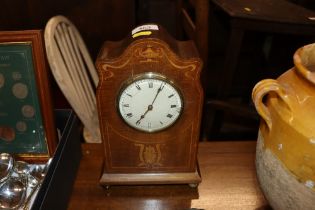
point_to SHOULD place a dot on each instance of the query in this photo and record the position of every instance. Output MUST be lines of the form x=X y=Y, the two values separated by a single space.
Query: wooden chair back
x=74 y=72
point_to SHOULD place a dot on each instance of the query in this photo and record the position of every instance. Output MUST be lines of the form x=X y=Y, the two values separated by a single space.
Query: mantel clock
x=149 y=101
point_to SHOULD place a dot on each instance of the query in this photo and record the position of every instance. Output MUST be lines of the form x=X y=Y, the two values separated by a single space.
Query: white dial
x=150 y=103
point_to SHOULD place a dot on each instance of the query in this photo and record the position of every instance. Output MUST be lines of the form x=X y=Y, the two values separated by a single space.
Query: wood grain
x=228 y=182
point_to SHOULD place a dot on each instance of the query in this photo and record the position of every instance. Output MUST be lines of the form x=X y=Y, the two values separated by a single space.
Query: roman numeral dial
x=149 y=102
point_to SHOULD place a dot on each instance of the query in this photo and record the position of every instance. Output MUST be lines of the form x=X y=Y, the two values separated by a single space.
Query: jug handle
x=260 y=90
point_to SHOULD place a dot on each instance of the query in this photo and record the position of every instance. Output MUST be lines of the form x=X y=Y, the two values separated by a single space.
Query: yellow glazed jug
x=285 y=153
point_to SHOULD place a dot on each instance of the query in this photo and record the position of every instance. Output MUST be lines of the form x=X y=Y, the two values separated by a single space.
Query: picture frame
x=27 y=125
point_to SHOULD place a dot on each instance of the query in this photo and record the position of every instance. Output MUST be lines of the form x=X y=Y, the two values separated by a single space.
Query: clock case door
x=135 y=157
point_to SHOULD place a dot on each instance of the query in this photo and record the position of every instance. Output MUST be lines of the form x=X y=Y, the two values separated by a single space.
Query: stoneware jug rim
x=304 y=61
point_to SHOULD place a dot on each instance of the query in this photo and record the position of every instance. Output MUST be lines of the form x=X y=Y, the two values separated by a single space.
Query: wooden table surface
x=228 y=182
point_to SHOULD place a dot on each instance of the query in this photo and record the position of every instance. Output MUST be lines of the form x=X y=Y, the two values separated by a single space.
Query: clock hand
x=158 y=91
x=150 y=107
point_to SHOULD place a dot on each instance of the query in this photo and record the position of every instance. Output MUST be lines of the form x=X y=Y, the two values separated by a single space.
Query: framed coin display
x=27 y=127
x=150 y=104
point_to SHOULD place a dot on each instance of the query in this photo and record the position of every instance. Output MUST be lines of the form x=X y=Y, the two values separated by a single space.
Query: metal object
x=12 y=193
x=22 y=169
x=36 y=177
x=6 y=165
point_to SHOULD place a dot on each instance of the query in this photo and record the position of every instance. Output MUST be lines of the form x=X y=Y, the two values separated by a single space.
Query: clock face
x=149 y=102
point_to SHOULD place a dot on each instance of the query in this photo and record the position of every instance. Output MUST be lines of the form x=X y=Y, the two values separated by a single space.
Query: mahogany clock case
x=136 y=157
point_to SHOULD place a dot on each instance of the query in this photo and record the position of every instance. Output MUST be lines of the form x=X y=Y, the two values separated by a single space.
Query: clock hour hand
x=150 y=107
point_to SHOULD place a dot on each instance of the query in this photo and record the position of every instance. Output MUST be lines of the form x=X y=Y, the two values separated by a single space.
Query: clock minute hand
x=158 y=91
x=150 y=107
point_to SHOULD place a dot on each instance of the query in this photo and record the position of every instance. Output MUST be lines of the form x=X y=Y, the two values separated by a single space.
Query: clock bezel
x=149 y=75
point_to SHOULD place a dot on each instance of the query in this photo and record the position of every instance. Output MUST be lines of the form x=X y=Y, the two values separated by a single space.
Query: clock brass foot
x=193 y=185
x=106 y=187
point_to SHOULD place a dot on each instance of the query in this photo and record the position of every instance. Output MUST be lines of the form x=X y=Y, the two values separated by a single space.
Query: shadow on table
x=164 y=197
x=265 y=207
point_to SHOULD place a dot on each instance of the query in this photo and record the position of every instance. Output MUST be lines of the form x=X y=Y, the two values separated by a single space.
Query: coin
x=21 y=126
x=28 y=111
x=20 y=90
x=1 y=80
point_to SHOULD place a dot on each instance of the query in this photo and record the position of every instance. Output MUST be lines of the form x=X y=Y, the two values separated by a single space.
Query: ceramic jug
x=285 y=153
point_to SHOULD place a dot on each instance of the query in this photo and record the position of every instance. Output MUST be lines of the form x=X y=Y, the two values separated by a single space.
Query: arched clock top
x=150 y=53
x=158 y=39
